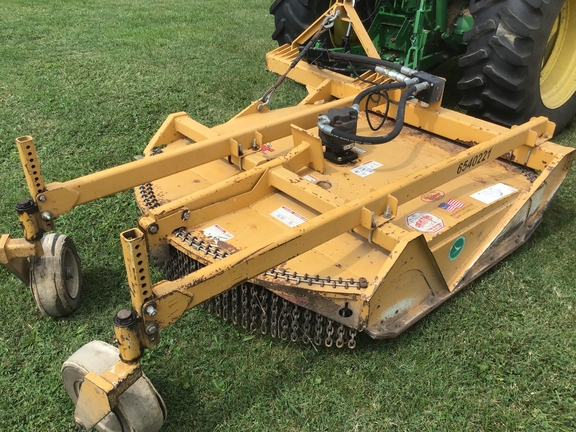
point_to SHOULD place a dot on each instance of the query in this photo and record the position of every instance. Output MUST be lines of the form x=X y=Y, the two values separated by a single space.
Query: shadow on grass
x=558 y=218
x=105 y=290
x=234 y=371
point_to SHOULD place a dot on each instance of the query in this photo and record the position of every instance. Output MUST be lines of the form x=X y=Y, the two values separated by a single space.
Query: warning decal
x=287 y=216
x=216 y=232
x=493 y=193
x=366 y=169
x=425 y=222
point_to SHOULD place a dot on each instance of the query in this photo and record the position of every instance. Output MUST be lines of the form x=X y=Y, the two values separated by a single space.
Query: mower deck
x=347 y=279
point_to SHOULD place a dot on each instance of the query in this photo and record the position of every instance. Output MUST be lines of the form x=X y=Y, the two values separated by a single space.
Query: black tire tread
x=292 y=17
x=500 y=82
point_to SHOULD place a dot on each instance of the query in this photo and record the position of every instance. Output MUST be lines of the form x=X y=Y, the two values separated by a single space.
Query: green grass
x=92 y=82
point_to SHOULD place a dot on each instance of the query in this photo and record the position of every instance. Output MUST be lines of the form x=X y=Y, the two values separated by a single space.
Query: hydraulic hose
x=375 y=89
x=379 y=139
x=371 y=61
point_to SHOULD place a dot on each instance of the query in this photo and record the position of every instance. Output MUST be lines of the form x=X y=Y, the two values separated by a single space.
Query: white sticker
x=287 y=216
x=359 y=150
x=493 y=193
x=366 y=169
x=310 y=178
x=216 y=232
x=425 y=222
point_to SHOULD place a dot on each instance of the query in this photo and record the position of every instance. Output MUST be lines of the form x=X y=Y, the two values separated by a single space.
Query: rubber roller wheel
x=56 y=277
x=140 y=407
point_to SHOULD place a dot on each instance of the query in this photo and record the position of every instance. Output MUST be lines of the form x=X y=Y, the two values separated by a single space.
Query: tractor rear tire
x=292 y=17
x=520 y=61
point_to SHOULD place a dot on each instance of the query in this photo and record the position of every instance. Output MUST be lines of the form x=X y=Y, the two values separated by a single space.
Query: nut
x=152 y=329
x=151 y=310
x=153 y=228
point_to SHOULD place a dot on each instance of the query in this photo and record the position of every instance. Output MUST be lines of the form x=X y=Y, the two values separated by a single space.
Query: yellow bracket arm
x=14 y=255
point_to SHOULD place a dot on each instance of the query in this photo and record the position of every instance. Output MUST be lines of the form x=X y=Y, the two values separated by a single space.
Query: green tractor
x=518 y=57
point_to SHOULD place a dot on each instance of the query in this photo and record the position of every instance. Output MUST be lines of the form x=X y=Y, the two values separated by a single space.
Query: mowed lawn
x=92 y=82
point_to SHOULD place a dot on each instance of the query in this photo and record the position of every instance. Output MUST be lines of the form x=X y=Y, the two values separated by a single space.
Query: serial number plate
x=479 y=158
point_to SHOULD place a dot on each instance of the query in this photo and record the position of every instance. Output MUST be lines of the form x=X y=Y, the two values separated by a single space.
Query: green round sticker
x=456 y=248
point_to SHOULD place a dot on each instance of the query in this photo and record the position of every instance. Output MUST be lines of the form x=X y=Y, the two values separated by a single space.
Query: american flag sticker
x=451 y=205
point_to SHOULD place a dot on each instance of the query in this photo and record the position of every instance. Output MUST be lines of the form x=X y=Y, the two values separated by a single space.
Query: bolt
x=153 y=228
x=46 y=215
x=42 y=198
x=152 y=329
x=151 y=310
x=185 y=215
x=69 y=273
x=387 y=213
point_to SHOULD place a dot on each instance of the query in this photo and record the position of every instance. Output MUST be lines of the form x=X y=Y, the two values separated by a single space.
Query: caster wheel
x=56 y=277
x=140 y=408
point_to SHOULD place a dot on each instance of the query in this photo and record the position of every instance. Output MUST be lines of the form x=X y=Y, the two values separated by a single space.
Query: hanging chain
x=274 y=316
x=329 y=332
x=307 y=327
x=352 y=337
x=217 y=306
x=284 y=321
x=264 y=313
x=295 y=316
x=341 y=333
x=256 y=308
x=318 y=330
x=244 y=306
x=225 y=296
x=253 y=308
x=235 y=305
